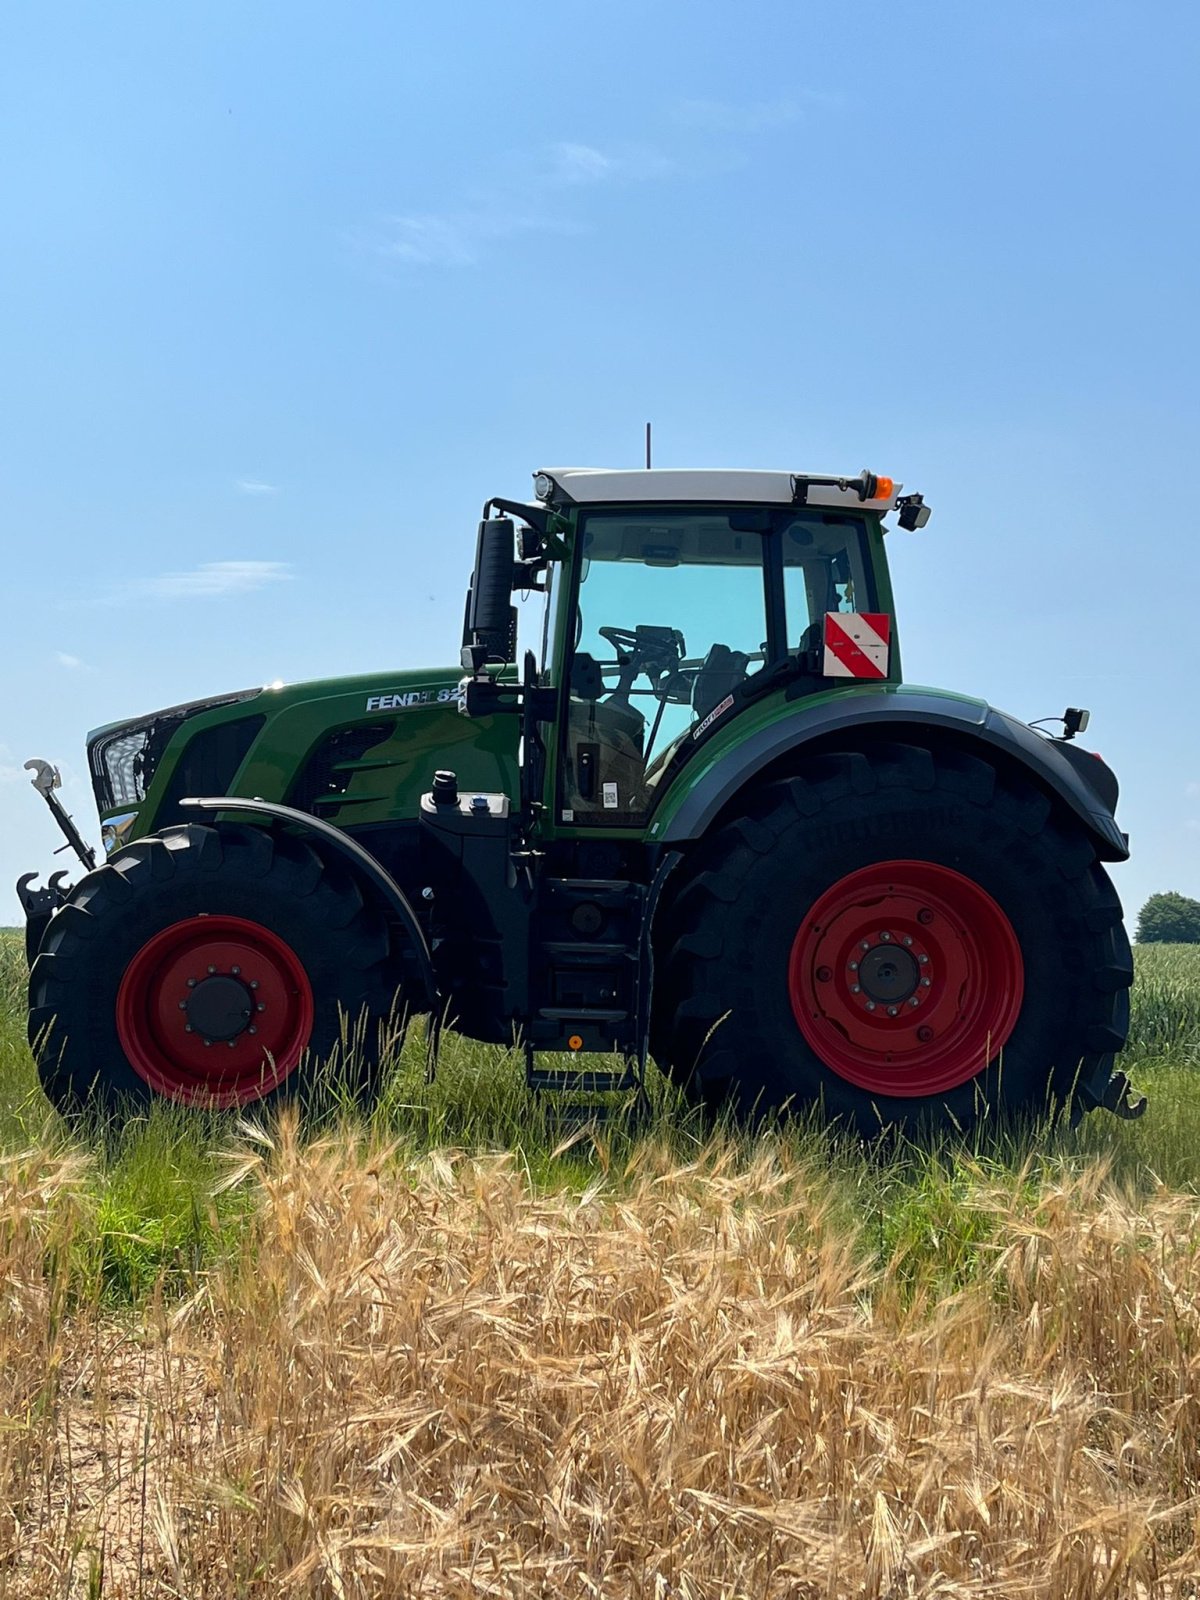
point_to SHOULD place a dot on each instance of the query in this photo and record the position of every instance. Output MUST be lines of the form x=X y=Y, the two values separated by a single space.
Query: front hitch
x=39 y=905
x=46 y=779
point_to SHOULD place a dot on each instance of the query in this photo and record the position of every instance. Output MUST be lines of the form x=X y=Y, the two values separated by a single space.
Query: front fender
x=916 y=715
x=388 y=892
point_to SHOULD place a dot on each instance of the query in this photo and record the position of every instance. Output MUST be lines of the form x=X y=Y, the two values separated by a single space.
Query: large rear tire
x=907 y=938
x=209 y=966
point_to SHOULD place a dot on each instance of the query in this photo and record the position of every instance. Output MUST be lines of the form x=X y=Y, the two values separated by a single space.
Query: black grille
x=326 y=774
x=208 y=765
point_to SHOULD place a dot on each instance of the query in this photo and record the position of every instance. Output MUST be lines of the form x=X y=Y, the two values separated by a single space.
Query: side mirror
x=491 y=618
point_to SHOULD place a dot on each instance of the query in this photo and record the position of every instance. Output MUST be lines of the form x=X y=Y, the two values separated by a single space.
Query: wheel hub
x=219 y=1008
x=888 y=973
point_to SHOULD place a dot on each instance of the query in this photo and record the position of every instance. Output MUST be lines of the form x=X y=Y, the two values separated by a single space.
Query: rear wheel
x=907 y=938
x=212 y=967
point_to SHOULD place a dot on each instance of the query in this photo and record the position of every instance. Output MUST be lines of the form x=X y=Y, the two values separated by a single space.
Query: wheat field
x=453 y=1353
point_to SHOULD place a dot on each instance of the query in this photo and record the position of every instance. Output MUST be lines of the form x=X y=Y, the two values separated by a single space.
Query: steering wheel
x=654 y=651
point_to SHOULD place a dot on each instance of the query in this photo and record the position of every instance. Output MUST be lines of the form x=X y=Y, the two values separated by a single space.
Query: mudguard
x=389 y=892
x=913 y=714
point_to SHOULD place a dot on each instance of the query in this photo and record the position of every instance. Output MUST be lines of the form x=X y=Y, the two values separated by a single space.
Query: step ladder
x=589 y=990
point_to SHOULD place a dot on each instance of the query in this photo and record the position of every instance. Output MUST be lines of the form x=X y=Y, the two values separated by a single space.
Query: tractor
x=707 y=823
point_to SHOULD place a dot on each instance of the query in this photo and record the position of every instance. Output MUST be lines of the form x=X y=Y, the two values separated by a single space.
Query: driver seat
x=719 y=675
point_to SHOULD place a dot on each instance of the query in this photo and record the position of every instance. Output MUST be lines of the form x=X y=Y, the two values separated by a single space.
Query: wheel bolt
x=926 y=983
x=212 y=969
x=251 y=1029
x=870 y=1005
x=885 y=937
x=191 y=983
x=892 y=1011
x=260 y=1006
x=237 y=971
x=914 y=1001
x=207 y=1042
x=254 y=983
x=924 y=1034
x=187 y=1028
x=924 y=960
x=854 y=966
x=908 y=938
x=866 y=944
x=855 y=988
x=925 y=917
x=233 y=1044
x=824 y=974
x=183 y=1005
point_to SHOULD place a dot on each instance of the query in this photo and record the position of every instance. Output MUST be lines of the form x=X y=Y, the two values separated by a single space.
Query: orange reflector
x=575 y=1042
x=885 y=488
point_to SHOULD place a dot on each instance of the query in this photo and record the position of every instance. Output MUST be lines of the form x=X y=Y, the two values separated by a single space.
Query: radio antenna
x=647 y=447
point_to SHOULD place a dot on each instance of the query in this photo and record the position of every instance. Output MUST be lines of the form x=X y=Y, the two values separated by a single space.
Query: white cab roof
x=708 y=485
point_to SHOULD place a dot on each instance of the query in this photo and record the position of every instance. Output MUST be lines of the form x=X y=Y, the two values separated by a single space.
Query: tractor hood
x=353 y=750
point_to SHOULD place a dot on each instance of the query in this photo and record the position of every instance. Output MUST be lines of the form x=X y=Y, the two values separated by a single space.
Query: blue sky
x=288 y=290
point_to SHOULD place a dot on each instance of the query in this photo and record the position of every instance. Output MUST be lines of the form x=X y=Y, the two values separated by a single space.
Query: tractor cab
x=674 y=598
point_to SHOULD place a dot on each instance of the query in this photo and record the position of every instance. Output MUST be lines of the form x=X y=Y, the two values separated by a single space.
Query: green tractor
x=708 y=822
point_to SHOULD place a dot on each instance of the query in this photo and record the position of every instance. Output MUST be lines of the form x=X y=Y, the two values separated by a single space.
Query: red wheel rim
x=214 y=1011
x=906 y=978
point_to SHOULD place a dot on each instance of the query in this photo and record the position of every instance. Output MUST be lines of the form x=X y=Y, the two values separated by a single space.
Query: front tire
x=907 y=938
x=209 y=966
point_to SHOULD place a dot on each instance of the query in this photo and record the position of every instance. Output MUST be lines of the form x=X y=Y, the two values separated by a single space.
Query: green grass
x=156 y=1214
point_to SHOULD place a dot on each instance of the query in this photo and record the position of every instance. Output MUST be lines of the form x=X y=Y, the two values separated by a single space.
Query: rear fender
x=919 y=717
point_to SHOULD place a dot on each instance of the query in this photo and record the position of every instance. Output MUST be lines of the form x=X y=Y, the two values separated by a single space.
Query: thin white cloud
x=567 y=165
x=72 y=663
x=580 y=163
x=429 y=239
x=529 y=199
x=210 y=581
x=458 y=238
x=255 y=486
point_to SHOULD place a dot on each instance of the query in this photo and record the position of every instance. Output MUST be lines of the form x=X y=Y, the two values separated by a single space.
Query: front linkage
x=40 y=904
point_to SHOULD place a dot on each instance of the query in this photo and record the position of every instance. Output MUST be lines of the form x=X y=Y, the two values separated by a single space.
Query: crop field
x=454 y=1352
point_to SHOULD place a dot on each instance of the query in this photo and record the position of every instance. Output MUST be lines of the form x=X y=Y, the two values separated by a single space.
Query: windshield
x=680 y=609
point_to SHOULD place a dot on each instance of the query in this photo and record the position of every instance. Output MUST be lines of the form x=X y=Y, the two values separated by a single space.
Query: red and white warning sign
x=856 y=644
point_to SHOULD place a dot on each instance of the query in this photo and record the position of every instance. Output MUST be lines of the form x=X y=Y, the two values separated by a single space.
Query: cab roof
x=704 y=485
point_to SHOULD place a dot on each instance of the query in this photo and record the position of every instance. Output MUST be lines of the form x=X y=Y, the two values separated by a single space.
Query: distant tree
x=1169 y=919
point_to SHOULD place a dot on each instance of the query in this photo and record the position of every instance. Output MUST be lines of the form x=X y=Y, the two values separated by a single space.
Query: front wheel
x=213 y=967
x=907 y=938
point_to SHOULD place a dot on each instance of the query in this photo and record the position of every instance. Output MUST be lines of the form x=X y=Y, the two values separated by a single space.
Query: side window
x=823 y=570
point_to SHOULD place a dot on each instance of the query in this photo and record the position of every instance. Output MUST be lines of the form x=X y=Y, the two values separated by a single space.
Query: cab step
x=581 y=1080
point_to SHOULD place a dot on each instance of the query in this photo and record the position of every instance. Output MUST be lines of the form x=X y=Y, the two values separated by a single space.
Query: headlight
x=116 y=830
x=123 y=761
